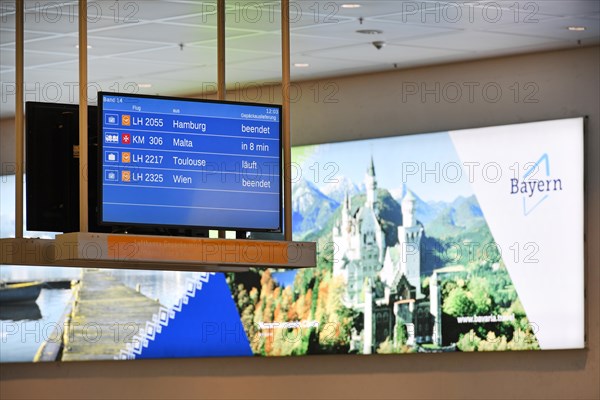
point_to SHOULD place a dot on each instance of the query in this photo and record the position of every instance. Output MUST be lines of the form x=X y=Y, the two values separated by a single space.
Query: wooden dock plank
x=106 y=315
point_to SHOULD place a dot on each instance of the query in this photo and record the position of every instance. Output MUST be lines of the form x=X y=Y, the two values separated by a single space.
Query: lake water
x=24 y=328
x=166 y=286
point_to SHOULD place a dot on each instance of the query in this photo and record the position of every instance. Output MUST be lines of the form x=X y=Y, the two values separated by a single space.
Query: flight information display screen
x=189 y=163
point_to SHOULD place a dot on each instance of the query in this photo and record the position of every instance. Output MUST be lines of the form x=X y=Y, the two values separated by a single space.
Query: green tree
x=468 y=341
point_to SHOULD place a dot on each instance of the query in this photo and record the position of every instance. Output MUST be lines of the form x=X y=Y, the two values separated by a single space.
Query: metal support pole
x=221 y=87
x=83 y=118
x=19 y=125
x=285 y=85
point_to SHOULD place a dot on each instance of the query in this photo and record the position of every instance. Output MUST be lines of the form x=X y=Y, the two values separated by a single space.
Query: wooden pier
x=105 y=316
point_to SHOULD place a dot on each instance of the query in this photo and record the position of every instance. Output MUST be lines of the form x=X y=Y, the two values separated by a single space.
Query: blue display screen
x=189 y=163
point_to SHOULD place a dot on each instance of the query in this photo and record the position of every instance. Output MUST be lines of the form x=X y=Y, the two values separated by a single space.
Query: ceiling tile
x=557 y=28
x=195 y=55
x=33 y=59
x=261 y=16
x=148 y=10
x=99 y=46
x=166 y=33
x=271 y=43
x=390 y=54
x=468 y=15
x=63 y=17
x=561 y=8
x=484 y=42
x=268 y=64
x=391 y=30
x=7 y=37
x=138 y=41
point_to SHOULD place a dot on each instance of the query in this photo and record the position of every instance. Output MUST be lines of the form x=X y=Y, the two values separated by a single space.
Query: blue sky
x=395 y=158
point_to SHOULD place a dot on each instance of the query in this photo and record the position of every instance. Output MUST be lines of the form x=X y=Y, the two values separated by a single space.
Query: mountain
x=311 y=209
x=460 y=218
x=425 y=211
x=338 y=190
x=390 y=217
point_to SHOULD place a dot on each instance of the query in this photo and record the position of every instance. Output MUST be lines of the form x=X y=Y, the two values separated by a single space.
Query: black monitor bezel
x=124 y=226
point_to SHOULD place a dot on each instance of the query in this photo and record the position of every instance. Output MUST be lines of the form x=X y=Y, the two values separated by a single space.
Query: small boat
x=20 y=312
x=26 y=292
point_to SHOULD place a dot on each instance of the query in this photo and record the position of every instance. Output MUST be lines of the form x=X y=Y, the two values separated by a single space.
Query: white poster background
x=541 y=235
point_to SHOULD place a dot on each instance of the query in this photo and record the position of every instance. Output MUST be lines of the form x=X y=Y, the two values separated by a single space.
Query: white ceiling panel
x=469 y=15
x=257 y=16
x=147 y=10
x=478 y=41
x=161 y=33
x=200 y=55
x=194 y=77
x=556 y=28
x=391 y=30
x=299 y=43
x=102 y=68
x=388 y=55
x=561 y=8
x=7 y=36
x=165 y=87
x=139 y=41
x=99 y=46
x=268 y=64
x=33 y=59
x=56 y=17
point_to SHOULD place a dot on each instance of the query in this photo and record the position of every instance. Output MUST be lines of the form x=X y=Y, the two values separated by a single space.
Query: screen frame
x=120 y=226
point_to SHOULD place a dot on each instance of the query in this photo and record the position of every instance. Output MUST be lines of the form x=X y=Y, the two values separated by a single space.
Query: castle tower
x=346 y=212
x=435 y=307
x=408 y=210
x=409 y=237
x=371 y=185
x=359 y=241
x=345 y=242
x=368 y=330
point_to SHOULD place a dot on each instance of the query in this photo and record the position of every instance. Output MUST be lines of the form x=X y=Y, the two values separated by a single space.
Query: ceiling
x=169 y=47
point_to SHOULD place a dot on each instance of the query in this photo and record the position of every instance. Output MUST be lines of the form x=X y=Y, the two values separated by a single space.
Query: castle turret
x=368 y=318
x=371 y=186
x=409 y=237
x=346 y=212
x=408 y=210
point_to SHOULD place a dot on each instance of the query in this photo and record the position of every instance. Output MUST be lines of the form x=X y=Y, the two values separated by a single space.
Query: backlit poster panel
x=467 y=240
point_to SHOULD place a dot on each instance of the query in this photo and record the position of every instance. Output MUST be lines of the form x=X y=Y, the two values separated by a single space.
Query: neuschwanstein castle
x=383 y=283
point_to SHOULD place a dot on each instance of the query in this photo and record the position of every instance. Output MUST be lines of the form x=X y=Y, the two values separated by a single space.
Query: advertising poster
x=469 y=240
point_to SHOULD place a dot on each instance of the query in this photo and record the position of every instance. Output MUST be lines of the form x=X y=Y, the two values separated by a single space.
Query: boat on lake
x=25 y=292
x=20 y=312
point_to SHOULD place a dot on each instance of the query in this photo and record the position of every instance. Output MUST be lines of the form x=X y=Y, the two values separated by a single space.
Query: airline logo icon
x=111 y=138
x=125 y=120
x=126 y=176
x=111 y=156
x=126 y=157
x=111 y=176
x=125 y=138
x=111 y=119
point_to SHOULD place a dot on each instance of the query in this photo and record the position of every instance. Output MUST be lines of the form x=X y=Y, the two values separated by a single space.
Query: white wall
x=564 y=83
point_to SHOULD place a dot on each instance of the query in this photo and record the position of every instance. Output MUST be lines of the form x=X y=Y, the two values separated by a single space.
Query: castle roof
x=371 y=169
x=409 y=196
